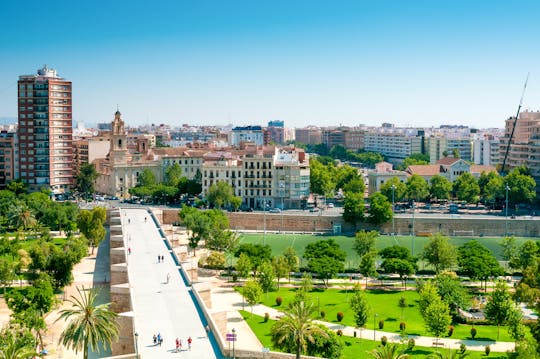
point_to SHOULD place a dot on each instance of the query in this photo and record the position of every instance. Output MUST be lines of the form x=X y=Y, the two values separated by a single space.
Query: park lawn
x=353 y=348
x=385 y=305
x=278 y=243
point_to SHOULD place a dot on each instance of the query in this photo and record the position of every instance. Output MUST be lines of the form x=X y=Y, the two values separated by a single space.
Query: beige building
x=383 y=173
x=86 y=150
x=118 y=172
x=222 y=167
x=291 y=178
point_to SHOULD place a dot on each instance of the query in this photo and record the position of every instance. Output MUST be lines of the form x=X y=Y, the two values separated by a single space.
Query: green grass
x=353 y=348
x=278 y=243
x=385 y=305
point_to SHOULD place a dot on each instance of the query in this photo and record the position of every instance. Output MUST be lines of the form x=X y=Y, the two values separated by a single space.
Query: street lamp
x=234 y=340
x=412 y=237
x=374 y=322
x=393 y=212
x=282 y=190
x=506 y=213
x=137 y=344
x=264 y=216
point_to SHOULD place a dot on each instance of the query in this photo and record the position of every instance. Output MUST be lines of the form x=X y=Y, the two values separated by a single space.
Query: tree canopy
x=326 y=258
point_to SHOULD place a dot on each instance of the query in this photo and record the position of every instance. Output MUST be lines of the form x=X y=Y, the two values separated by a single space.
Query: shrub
x=235 y=277
x=323 y=314
x=339 y=332
x=340 y=316
x=279 y=300
x=450 y=330
x=381 y=324
x=216 y=260
x=410 y=344
x=487 y=350
x=384 y=340
x=473 y=333
x=462 y=348
x=266 y=317
x=402 y=326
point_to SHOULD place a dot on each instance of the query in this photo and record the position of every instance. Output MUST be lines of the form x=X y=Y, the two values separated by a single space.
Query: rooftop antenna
x=514 y=126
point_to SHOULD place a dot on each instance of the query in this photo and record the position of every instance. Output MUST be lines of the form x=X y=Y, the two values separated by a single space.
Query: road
x=160 y=305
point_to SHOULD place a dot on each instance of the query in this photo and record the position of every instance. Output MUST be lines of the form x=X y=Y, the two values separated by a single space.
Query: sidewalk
x=229 y=298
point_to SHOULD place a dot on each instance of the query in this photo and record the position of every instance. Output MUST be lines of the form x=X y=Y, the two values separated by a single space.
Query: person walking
x=168 y=278
x=158 y=258
x=177 y=344
x=159 y=339
x=155 y=339
x=189 y=340
x=129 y=250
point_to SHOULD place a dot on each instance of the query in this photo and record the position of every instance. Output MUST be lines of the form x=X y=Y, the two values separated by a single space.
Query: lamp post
x=137 y=345
x=393 y=212
x=234 y=340
x=282 y=190
x=264 y=216
x=412 y=234
x=374 y=322
x=506 y=213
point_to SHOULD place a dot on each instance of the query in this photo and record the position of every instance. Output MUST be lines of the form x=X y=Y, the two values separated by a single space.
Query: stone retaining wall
x=448 y=225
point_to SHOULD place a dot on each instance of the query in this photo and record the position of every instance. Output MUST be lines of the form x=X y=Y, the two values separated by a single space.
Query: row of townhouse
x=263 y=176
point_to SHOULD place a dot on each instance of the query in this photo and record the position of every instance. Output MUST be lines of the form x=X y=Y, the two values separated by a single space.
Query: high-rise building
x=45 y=131
x=8 y=158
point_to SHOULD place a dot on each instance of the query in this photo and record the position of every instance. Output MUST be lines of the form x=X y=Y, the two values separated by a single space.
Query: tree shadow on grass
x=382 y=291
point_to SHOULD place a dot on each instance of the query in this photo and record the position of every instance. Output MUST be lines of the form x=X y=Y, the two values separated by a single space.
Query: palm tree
x=388 y=351
x=91 y=324
x=298 y=326
x=21 y=216
x=14 y=350
x=449 y=354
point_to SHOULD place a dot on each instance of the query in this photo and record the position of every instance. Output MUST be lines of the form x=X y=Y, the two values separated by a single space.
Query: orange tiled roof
x=447 y=161
x=424 y=170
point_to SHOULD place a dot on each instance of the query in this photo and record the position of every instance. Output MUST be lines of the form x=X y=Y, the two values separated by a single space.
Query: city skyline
x=308 y=63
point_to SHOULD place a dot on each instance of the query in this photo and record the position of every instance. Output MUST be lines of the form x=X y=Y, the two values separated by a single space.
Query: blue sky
x=308 y=62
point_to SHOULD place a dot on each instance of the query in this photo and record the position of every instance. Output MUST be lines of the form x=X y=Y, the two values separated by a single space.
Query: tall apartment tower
x=45 y=131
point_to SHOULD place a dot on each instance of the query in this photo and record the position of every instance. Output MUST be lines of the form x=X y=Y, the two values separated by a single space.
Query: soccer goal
x=463 y=233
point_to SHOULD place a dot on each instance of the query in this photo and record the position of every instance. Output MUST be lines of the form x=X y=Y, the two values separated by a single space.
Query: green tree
x=348 y=176
x=257 y=254
x=428 y=294
x=415 y=159
x=440 y=253
x=8 y=270
x=493 y=191
x=17 y=186
x=86 y=179
x=220 y=194
x=516 y=328
x=499 y=306
x=440 y=187
x=326 y=258
x=400 y=189
x=522 y=187
x=298 y=327
x=198 y=223
x=466 y=188
x=477 y=262
x=437 y=318
x=90 y=325
x=252 y=293
x=173 y=175
x=452 y=292
x=146 y=178
x=509 y=248
x=380 y=210
x=353 y=207
x=367 y=266
x=91 y=224
x=281 y=267
x=266 y=276
x=364 y=242
x=320 y=178
x=417 y=188
x=293 y=262
x=243 y=265
x=355 y=185
x=360 y=307
x=525 y=256
x=20 y=216
x=398 y=259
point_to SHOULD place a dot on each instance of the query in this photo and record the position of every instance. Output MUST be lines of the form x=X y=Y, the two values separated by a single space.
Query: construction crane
x=514 y=126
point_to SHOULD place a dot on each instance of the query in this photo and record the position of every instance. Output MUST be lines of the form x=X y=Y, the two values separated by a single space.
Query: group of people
x=160 y=258
x=158 y=340
x=178 y=343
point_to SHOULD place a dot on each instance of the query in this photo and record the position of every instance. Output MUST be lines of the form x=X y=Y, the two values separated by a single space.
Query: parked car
x=330 y=205
x=275 y=210
x=314 y=209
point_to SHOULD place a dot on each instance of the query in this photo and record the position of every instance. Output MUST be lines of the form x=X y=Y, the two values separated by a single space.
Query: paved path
x=229 y=297
x=160 y=307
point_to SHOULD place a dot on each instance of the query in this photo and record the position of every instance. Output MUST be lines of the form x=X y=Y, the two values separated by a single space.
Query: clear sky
x=307 y=62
